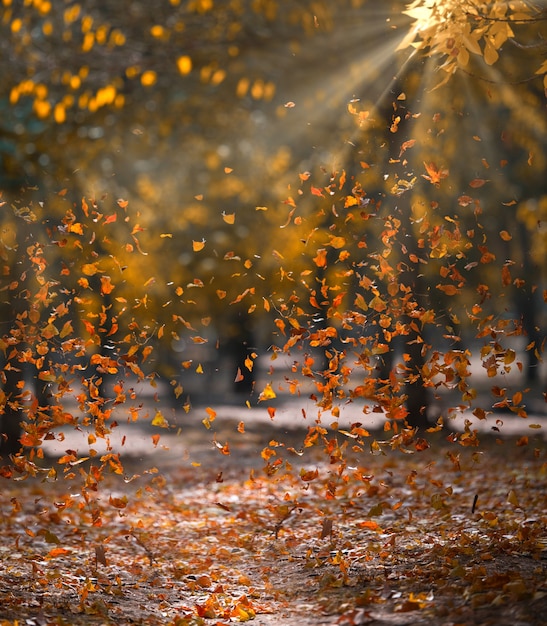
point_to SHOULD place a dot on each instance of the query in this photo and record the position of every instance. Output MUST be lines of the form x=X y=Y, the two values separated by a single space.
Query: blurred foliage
x=176 y=173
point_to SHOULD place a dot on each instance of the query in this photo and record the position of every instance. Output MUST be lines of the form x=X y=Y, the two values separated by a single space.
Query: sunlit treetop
x=84 y=56
x=455 y=30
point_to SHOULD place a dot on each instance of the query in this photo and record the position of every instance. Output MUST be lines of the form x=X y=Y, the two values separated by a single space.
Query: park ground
x=187 y=534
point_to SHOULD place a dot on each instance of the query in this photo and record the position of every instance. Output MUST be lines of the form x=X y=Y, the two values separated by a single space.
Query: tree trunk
x=10 y=414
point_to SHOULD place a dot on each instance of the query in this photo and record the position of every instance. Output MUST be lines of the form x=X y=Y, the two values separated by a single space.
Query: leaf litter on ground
x=449 y=534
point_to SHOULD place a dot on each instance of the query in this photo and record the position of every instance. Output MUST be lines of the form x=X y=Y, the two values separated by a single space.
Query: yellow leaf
x=49 y=331
x=66 y=330
x=377 y=304
x=490 y=54
x=229 y=218
x=267 y=394
x=90 y=269
x=198 y=245
x=337 y=242
x=512 y=498
x=159 y=420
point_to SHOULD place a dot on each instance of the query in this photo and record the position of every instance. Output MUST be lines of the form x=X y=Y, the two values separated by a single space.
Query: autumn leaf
x=321 y=258
x=406 y=145
x=106 y=285
x=267 y=393
x=449 y=290
x=434 y=174
x=90 y=269
x=337 y=242
x=117 y=502
x=198 y=245
x=59 y=552
x=477 y=182
x=159 y=420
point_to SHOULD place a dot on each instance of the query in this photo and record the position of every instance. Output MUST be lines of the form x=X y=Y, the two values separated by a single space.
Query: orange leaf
x=449 y=290
x=267 y=394
x=406 y=145
x=321 y=258
x=58 y=552
x=434 y=174
x=310 y=475
x=118 y=503
x=146 y=352
x=198 y=245
x=106 y=285
x=477 y=182
x=337 y=242
x=90 y=269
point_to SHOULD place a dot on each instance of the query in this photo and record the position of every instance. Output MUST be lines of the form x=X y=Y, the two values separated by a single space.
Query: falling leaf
x=100 y=555
x=477 y=182
x=267 y=393
x=321 y=258
x=118 y=503
x=337 y=242
x=59 y=552
x=106 y=285
x=406 y=145
x=198 y=245
x=159 y=420
x=434 y=174
x=512 y=498
x=90 y=269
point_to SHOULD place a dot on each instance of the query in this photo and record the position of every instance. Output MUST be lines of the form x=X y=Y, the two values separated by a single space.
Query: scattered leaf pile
x=442 y=536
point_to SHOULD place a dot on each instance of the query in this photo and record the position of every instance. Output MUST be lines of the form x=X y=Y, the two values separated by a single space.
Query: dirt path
x=191 y=536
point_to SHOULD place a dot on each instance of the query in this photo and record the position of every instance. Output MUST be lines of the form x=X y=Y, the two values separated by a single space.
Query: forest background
x=215 y=210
